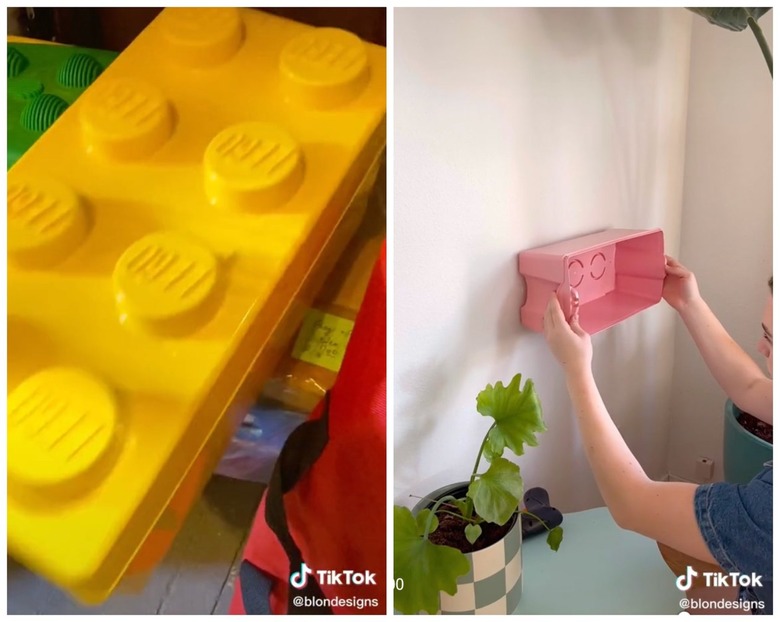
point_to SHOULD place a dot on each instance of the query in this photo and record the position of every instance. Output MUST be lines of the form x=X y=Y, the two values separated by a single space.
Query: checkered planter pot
x=495 y=581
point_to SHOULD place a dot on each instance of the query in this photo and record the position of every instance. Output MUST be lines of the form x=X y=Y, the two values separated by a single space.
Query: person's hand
x=570 y=344
x=680 y=287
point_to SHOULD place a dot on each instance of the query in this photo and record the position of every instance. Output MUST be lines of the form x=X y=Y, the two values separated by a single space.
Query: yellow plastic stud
x=324 y=68
x=201 y=37
x=252 y=166
x=125 y=118
x=61 y=422
x=46 y=221
x=164 y=279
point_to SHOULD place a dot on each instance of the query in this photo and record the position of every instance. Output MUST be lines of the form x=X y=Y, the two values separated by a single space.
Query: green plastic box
x=744 y=454
x=43 y=80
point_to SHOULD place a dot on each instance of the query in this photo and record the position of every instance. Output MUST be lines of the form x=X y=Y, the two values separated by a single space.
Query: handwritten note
x=323 y=339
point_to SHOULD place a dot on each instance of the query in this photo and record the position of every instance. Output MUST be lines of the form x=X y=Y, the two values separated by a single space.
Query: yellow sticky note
x=323 y=339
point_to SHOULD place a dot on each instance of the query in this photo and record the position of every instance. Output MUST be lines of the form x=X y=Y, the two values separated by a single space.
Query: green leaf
x=425 y=568
x=473 y=532
x=496 y=443
x=488 y=453
x=518 y=415
x=735 y=19
x=497 y=492
x=464 y=507
x=422 y=519
x=555 y=537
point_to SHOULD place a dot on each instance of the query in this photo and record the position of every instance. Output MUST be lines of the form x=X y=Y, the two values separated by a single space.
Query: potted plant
x=747 y=445
x=459 y=550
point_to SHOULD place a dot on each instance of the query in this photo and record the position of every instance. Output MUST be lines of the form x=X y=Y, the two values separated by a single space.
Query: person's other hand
x=569 y=343
x=680 y=287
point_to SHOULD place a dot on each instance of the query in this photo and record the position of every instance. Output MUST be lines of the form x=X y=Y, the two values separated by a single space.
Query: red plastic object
x=610 y=276
x=333 y=495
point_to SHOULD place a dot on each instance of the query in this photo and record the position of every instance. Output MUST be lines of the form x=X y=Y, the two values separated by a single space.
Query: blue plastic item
x=255 y=447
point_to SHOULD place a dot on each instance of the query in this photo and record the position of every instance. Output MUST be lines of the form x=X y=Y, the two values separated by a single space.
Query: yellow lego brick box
x=165 y=237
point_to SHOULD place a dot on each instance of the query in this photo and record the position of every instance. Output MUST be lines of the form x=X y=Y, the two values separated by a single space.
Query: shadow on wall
x=578 y=124
x=580 y=30
x=578 y=33
x=491 y=342
x=639 y=147
x=444 y=374
x=634 y=364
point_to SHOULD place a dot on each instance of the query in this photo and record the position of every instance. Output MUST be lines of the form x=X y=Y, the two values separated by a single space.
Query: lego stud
x=24 y=89
x=125 y=118
x=201 y=37
x=79 y=71
x=164 y=281
x=46 y=221
x=252 y=166
x=17 y=62
x=61 y=423
x=41 y=112
x=324 y=68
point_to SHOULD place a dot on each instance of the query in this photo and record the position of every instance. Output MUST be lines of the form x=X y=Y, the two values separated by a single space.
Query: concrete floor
x=196 y=577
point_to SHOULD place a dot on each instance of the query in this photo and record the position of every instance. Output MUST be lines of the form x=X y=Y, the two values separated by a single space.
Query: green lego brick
x=43 y=80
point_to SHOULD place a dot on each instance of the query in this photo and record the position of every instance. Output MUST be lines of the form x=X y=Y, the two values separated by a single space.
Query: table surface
x=599 y=569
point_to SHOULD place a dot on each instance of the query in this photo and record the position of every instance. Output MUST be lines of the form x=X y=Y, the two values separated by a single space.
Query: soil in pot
x=755 y=426
x=451 y=532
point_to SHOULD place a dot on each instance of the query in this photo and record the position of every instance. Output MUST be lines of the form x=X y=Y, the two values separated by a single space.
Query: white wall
x=516 y=128
x=726 y=224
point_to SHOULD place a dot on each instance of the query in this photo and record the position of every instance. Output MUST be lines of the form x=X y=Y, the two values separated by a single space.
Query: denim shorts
x=736 y=522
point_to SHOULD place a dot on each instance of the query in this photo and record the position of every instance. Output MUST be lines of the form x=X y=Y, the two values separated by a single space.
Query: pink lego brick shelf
x=610 y=276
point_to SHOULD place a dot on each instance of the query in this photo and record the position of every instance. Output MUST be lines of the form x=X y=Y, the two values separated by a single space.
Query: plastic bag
x=255 y=447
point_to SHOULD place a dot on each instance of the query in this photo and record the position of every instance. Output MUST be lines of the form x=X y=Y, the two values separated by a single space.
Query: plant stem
x=761 y=42
x=479 y=455
x=454 y=507
x=435 y=508
x=536 y=517
x=440 y=502
x=424 y=499
x=474 y=521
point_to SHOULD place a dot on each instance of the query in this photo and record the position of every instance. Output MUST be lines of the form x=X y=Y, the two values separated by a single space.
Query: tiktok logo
x=685 y=581
x=298 y=579
x=332 y=577
x=719 y=579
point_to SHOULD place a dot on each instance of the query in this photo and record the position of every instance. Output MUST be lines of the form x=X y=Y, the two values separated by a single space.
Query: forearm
x=733 y=369
x=663 y=511
x=617 y=472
